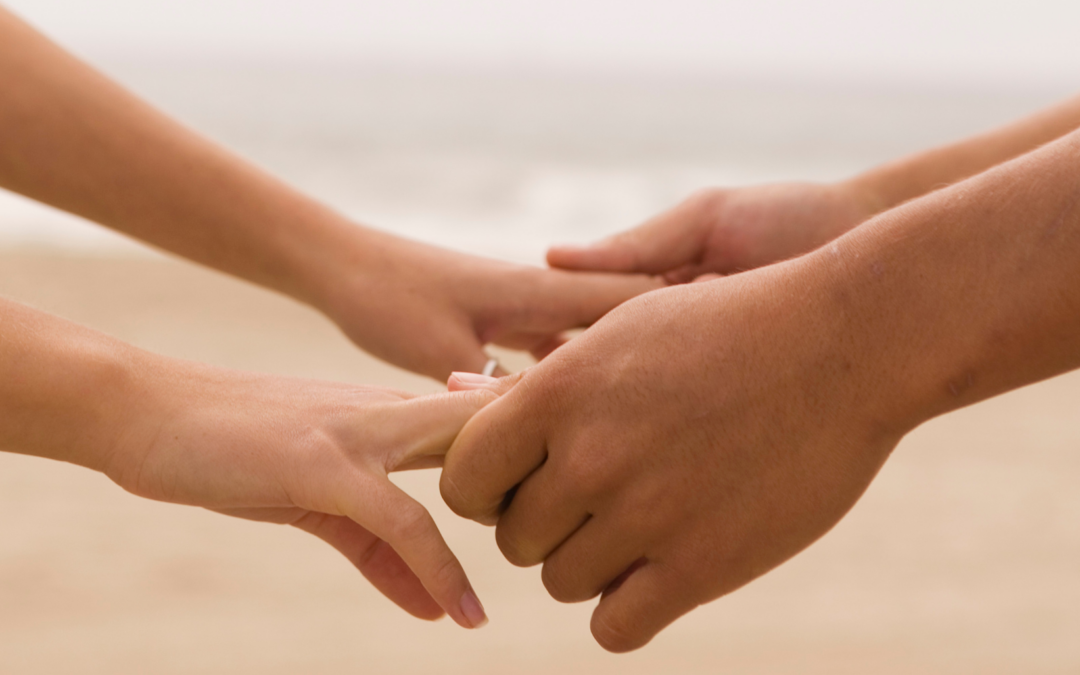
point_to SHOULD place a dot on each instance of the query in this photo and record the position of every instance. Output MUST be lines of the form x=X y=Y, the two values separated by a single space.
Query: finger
x=589 y=561
x=429 y=424
x=541 y=516
x=470 y=381
x=402 y=522
x=669 y=240
x=644 y=603
x=554 y=301
x=712 y=276
x=496 y=385
x=377 y=561
x=498 y=448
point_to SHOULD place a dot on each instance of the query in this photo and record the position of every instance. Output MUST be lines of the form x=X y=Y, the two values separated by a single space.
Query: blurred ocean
x=505 y=163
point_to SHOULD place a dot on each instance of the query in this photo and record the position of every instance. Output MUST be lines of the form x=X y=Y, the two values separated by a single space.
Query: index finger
x=498 y=449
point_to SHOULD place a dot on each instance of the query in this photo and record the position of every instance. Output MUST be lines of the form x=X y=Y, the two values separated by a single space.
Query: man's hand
x=691 y=441
x=723 y=231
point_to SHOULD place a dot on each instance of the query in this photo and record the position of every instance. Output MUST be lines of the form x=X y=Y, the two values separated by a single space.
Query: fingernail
x=472 y=378
x=473 y=610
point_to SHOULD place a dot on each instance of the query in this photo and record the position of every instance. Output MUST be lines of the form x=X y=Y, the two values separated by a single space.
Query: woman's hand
x=722 y=231
x=130 y=168
x=310 y=454
x=431 y=310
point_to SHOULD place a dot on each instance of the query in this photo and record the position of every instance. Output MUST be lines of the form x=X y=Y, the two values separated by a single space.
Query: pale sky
x=1002 y=41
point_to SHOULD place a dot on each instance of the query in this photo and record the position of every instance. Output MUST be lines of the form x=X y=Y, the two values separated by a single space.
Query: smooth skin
x=71 y=138
x=701 y=435
x=727 y=230
x=310 y=454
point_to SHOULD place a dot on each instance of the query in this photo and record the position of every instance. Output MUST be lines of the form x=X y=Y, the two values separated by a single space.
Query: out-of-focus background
x=500 y=127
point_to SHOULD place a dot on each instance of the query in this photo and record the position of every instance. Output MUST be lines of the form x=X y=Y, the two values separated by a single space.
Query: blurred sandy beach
x=962 y=558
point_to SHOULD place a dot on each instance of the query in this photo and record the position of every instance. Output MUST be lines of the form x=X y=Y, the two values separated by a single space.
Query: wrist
x=869 y=193
x=873 y=330
x=67 y=393
x=342 y=263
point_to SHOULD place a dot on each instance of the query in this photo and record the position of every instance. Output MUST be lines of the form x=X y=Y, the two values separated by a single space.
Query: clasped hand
x=689 y=442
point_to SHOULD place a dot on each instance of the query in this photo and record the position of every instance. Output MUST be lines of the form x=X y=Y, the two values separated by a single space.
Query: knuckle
x=514 y=548
x=446 y=573
x=451 y=492
x=461 y=502
x=563 y=585
x=584 y=473
x=614 y=634
x=413 y=523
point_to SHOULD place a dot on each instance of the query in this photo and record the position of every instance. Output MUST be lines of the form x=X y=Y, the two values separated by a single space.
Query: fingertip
x=602 y=256
x=633 y=611
x=613 y=638
x=472 y=610
x=564 y=256
x=469 y=381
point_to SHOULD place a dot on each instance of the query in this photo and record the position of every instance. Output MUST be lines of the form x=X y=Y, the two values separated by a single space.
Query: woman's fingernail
x=473 y=610
x=473 y=378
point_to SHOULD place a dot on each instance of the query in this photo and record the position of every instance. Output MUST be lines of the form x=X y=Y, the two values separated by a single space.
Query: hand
x=723 y=231
x=310 y=454
x=431 y=310
x=692 y=440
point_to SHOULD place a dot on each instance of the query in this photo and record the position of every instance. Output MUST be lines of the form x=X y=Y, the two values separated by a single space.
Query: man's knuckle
x=614 y=634
x=584 y=474
x=515 y=549
x=452 y=494
x=562 y=584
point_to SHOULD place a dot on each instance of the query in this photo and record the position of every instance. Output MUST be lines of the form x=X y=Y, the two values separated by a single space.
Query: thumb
x=672 y=239
x=431 y=423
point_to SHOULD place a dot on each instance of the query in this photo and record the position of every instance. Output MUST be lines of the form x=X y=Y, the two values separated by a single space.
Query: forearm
x=892 y=184
x=66 y=392
x=966 y=293
x=71 y=138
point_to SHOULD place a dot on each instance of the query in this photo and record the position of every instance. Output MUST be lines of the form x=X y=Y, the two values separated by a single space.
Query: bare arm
x=310 y=454
x=701 y=435
x=71 y=138
x=910 y=177
x=721 y=231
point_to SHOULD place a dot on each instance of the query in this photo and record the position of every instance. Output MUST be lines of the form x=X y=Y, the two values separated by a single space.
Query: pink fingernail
x=472 y=378
x=473 y=610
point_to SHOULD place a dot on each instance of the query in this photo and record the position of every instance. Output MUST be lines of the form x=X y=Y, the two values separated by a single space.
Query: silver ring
x=489 y=367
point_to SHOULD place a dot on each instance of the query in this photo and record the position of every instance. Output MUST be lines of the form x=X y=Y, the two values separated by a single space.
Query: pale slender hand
x=432 y=311
x=310 y=454
x=130 y=168
x=722 y=231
